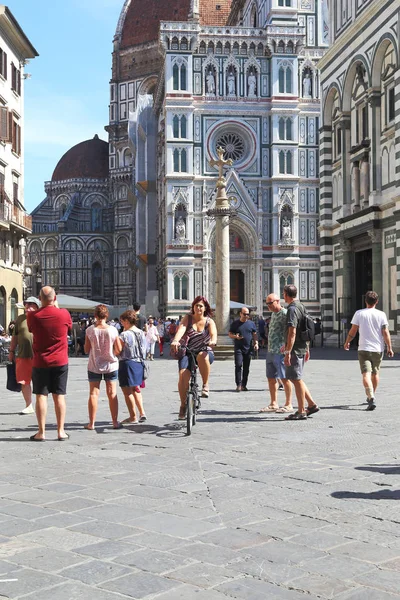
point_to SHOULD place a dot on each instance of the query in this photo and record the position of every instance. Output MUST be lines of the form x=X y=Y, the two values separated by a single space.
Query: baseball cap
x=33 y=300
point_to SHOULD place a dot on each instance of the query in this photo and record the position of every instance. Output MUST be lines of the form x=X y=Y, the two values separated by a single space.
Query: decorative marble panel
x=265 y=162
x=302 y=130
x=197 y=83
x=311 y=164
x=312 y=200
x=265 y=233
x=303 y=232
x=197 y=129
x=264 y=66
x=310 y=31
x=311 y=131
x=303 y=200
x=197 y=64
x=197 y=199
x=266 y=283
x=197 y=161
x=197 y=231
x=264 y=85
x=302 y=163
x=302 y=21
x=303 y=285
x=265 y=201
x=312 y=285
x=265 y=131
x=198 y=283
x=313 y=233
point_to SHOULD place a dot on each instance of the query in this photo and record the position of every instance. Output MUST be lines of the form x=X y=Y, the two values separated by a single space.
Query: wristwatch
x=287 y=352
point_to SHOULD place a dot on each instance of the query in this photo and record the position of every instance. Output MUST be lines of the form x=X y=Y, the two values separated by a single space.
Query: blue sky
x=66 y=99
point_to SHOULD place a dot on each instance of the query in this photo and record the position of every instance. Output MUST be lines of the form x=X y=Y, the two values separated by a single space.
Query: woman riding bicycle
x=200 y=335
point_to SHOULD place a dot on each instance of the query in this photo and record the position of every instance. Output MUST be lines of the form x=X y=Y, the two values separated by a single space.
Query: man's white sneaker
x=29 y=410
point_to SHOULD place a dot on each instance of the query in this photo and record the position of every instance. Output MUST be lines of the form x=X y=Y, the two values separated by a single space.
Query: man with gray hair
x=275 y=357
x=50 y=327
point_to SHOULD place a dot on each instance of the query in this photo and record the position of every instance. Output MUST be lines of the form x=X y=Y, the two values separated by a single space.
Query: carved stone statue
x=210 y=81
x=180 y=229
x=231 y=83
x=307 y=86
x=251 y=84
x=286 y=228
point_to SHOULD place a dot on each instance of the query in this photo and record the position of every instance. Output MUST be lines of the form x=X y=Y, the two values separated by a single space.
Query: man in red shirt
x=50 y=326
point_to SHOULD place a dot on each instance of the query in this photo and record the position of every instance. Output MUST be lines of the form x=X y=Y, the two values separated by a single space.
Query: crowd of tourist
x=117 y=350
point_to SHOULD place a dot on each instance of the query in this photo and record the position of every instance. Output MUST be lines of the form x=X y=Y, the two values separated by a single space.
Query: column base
x=224 y=349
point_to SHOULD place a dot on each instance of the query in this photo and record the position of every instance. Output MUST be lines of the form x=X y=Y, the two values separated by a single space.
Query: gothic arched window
x=183 y=126
x=183 y=78
x=285 y=79
x=175 y=77
x=183 y=161
x=97 y=280
x=281 y=162
x=181 y=286
x=96 y=217
x=281 y=80
x=289 y=163
x=285 y=279
x=175 y=126
x=176 y=161
x=288 y=80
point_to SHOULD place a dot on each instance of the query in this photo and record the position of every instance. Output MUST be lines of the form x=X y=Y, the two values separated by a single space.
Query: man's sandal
x=268 y=409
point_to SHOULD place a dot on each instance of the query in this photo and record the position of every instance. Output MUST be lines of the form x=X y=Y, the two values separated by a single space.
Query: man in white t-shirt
x=373 y=328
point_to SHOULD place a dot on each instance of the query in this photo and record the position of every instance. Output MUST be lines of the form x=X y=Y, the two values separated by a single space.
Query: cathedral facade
x=189 y=76
x=241 y=75
x=360 y=151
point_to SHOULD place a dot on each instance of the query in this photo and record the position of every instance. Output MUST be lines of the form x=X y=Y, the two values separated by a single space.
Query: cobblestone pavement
x=248 y=507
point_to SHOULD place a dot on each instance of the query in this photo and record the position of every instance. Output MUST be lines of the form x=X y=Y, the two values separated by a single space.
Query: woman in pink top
x=103 y=346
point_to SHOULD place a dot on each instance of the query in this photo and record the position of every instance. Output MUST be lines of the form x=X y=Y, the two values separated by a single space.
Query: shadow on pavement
x=381 y=495
x=385 y=469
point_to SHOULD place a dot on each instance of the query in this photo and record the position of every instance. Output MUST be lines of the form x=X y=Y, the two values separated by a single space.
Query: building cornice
x=15 y=34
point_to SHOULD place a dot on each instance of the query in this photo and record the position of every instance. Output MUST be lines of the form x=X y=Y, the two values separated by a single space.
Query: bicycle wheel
x=189 y=412
x=195 y=404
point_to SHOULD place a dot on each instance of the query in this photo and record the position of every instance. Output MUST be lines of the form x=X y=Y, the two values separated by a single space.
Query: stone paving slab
x=248 y=507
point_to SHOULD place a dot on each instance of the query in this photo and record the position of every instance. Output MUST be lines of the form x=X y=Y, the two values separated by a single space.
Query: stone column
x=221 y=213
x=347 y=268
x=222 y=273
x=364 y=179
x=374 y=98
x=377 y=284
x=356 y=186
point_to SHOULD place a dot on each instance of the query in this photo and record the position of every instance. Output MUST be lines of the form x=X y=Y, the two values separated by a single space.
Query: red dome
x=142 y=19
x=87 y=160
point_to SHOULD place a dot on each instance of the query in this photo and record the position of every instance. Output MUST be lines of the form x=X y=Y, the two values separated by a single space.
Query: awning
x=73 y=303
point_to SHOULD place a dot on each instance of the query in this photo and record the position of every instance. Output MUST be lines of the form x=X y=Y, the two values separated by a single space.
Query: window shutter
x=5 y=65
x=18 y=140
x=13 y=82
x=19 y=82
x=10 y=127
x=3 y=124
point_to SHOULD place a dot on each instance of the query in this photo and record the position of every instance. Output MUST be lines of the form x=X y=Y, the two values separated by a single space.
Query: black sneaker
x=371 y=404
x=244 y=388
x=281 y=388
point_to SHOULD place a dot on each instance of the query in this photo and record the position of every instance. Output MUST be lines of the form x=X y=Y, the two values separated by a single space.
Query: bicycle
x=193 y=402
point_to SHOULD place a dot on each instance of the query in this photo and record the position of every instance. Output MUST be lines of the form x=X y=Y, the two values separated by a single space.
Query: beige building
x=360 y=150
x=15 y=224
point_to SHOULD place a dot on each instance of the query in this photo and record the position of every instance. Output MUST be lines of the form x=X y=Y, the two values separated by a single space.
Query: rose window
x=232 y=144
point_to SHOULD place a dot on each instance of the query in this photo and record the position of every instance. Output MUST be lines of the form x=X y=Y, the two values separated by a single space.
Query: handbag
x=145 y=364
x=12 y=384
x=179 y=353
